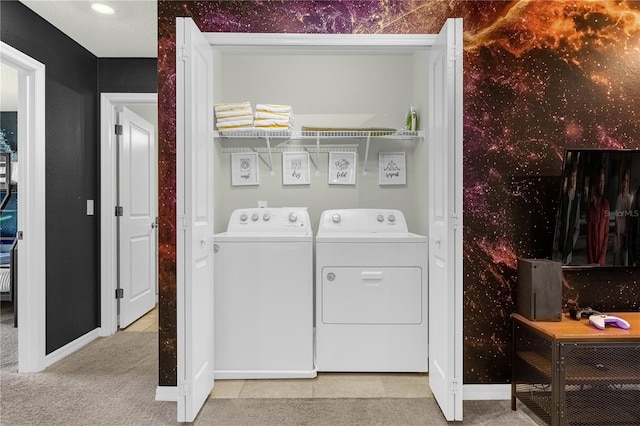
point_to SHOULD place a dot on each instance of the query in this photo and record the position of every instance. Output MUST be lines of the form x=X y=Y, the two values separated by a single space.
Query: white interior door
x=194 y=174
x=137 y=225
x=445 y=219
x=32 y=178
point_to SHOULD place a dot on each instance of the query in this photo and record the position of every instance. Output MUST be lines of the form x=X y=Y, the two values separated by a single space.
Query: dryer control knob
x=255 y=217
x=380 y=218
x=266 y=217
x=293 y=217
x=336 y=218
x=392 y=218
x=243 y=217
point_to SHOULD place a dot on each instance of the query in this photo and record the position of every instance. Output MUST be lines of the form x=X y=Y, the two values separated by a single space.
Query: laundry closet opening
x=346 y=147
x=302 y=144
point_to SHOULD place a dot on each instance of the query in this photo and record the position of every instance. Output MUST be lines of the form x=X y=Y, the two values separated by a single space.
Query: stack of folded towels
x=234 y=116
x=274 y=117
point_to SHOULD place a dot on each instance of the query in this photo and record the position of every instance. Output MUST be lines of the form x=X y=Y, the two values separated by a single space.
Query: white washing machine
x=371 y=293
x=263 y=295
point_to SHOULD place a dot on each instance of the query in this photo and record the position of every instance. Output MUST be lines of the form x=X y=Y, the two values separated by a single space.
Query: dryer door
x=371 y=295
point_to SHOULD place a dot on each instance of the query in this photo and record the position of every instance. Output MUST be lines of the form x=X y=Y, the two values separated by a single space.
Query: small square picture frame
x=392 y=168
x=295 y=168
x=244 y=169
x=342 y=168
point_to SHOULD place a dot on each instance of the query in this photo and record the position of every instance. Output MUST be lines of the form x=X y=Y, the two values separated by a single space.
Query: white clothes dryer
x=263 y=295
x=371 y=293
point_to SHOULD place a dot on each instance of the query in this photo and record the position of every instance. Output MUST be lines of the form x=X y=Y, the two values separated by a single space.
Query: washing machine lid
x=273 y=222
x=225 y=237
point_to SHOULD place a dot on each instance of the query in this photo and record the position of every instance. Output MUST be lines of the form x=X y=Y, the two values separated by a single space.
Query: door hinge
x=184 y=388
x=119 y=293
x=118 y=129
x=119 y=211
x=454 y=52
x=20 y=235
x=182 y=53
x=184 y=225
x=454 y=221
x=455 y=386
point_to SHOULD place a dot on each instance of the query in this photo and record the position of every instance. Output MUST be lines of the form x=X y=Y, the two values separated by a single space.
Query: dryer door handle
x=371 y=275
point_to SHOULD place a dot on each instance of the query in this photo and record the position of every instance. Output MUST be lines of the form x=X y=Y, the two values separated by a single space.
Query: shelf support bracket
x=268 y=140
x=317 y=155
x=366 y=155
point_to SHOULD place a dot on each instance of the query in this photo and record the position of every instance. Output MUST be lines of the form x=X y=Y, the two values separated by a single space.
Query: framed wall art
x=295 y=168
x=342 y=168
x=244 y=169
x=392 y=168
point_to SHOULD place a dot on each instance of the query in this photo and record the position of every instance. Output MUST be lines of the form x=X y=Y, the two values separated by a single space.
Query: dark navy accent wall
x=74 y=79
x=128 y=75
x=71 y=110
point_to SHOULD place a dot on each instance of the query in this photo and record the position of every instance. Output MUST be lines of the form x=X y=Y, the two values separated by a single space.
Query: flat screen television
x=598 y=217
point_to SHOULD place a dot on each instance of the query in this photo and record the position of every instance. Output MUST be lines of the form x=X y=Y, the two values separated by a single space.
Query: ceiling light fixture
x=103 y=8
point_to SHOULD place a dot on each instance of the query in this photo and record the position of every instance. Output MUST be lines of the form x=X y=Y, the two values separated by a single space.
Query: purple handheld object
x=601 y=321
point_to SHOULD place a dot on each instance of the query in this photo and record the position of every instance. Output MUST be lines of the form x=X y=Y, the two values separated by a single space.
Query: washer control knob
x=336 y=218
x=293 y=217
x=243 y=217
x=266 y=217
x=380 y=218
x=255 y=217
x=392 y=218
x=331 y=276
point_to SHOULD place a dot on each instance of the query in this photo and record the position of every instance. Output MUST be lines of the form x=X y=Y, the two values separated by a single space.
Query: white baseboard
x=71 y=347
x=486 y=392
x=167 y=393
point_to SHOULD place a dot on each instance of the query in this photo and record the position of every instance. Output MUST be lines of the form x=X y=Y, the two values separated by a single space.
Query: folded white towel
x=234 y=118
x=273 y=108
x=231 y=106
x=271 y=122
x=234 y=124
x=273 y=115
x=272 y=127
x=234 y=112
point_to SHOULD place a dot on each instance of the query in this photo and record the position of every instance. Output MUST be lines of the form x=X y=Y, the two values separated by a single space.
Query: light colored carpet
x=112 y=381
x=8 y=338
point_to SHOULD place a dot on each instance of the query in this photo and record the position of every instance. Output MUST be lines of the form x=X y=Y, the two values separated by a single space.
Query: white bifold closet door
x=445 y=219
x=194 y=175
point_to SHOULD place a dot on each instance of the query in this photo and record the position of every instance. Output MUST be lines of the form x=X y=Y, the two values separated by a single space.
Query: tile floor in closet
x=325 y=385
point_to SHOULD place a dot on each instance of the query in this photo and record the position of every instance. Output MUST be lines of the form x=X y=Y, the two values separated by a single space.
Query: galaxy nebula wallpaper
x=539 y=77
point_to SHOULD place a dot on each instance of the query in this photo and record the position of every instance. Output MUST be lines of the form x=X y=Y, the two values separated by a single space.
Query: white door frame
x=109 y=102
x=31 y=215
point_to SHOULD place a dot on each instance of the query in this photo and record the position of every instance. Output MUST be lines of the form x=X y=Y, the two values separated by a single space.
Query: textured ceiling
x=130 y=33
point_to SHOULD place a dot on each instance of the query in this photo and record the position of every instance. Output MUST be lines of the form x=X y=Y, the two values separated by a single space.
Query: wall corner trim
x=167 y=393
x=486 y=392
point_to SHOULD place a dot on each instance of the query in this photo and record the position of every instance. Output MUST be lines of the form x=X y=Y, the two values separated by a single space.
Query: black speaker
x=539 y=296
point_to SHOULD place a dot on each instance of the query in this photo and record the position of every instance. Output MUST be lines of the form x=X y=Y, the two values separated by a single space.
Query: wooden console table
x=570 y=373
